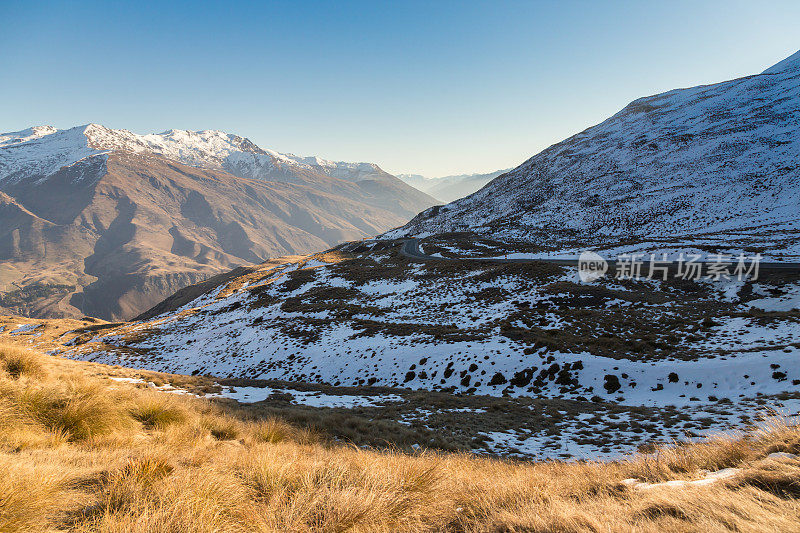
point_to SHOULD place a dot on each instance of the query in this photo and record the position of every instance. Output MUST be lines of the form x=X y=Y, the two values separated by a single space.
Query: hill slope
x=86 y=447
x=715 y=164
x=632 y=360
x=108 y=223
x=671 y=357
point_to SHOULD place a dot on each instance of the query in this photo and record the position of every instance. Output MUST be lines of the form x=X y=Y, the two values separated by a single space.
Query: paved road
x=410 y=249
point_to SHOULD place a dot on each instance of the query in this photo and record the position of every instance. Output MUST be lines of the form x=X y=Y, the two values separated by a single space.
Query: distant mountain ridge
x=44 y=149
x=108 y=222
x=449 y=188
x=715 y=165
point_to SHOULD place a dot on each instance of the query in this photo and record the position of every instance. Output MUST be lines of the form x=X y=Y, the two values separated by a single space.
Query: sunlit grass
x=81 y=453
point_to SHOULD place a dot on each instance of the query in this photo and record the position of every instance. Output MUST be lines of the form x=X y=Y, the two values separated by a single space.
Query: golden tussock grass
x=18 y=362
x=157 y=410
x=80 y=453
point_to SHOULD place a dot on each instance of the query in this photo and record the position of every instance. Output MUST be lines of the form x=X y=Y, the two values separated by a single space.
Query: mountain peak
x=790 y=64
x=43 y=130
x=29 y=134
x=196 y=203
x=209 y=149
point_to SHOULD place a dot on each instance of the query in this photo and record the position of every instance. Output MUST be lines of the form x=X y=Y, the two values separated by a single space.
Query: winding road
x=411 y=250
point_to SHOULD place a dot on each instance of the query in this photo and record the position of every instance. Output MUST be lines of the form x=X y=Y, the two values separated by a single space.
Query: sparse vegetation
x=22 y=296
x=82 y=453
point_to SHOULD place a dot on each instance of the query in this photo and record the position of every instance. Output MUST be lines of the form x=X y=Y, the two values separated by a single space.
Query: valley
x=450 y=188
x=471 y=327
x=502 y=358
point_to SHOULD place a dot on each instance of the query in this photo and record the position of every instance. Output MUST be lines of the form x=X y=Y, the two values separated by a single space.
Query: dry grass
x=158 y=410
x=75 y=408
x=82 y=454
x=18 y=362
x=28 y=496
x=273 y=430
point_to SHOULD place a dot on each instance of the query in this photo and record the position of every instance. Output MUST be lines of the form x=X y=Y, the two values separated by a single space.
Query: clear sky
x=432 y=87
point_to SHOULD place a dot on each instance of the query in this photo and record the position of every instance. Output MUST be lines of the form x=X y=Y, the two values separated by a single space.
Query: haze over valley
x=449 y=188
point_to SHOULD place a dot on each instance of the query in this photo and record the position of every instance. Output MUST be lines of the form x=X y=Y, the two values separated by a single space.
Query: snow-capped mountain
x=108 y=222
x=42 y=150
x=715 y=163
x=450 y=188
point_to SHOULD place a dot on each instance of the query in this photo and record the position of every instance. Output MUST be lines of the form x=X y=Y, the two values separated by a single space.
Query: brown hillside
x=113 y=235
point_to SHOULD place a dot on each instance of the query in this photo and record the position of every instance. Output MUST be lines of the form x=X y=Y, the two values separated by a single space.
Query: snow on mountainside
x=599 y=367
x=643 y=360
x=721 y=161
x=339 y=169
x=790 y=64
x=42 y=150
x=17 y=137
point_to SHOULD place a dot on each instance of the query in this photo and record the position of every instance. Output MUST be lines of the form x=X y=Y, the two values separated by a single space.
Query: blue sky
x=428 y=87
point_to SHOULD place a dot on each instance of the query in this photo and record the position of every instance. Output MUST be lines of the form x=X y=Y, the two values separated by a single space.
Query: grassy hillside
x=82 y=452
x=612 y=364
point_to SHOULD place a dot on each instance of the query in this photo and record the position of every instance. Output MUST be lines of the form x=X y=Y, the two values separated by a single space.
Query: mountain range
x=106 y=222
x=449 y=188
